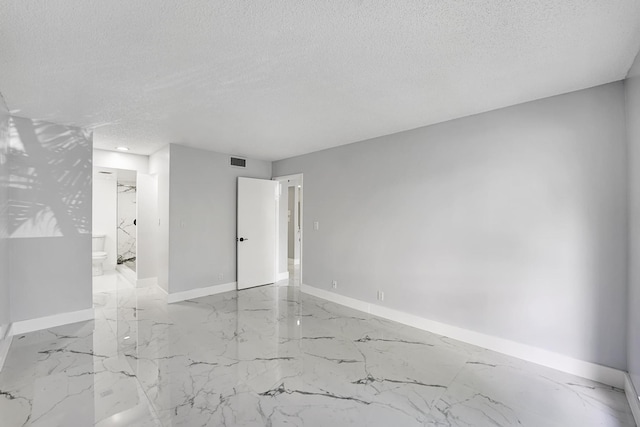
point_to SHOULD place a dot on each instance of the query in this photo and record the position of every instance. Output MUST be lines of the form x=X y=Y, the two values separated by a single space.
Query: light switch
x=316 y=225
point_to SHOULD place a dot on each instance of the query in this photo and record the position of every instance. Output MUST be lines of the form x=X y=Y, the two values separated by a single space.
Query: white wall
x=104 y=214
x=202 y=216
x=147 y=228
x=632 y=89
x=159 y=169
x=512 y=223
x=120 y=160
x=147 y=206
x=50 y=231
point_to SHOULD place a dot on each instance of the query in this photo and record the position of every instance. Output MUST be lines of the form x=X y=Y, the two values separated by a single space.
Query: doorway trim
x=285 y=181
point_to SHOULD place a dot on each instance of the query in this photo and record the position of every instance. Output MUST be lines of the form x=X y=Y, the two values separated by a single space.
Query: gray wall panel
x=202 y=216
x=512 y=223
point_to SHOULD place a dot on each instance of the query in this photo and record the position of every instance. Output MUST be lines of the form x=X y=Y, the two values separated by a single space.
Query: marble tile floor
x=272 y=356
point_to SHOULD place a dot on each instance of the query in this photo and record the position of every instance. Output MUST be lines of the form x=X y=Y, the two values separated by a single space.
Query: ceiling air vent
x=238 y=162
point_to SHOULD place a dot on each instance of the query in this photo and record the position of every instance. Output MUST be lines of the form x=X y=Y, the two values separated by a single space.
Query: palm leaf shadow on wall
x=50 y=179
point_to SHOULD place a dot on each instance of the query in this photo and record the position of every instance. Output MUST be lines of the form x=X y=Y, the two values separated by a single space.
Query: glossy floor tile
x=271 y=356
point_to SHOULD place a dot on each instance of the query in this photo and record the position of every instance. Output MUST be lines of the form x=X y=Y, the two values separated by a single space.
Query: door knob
x=242 y=239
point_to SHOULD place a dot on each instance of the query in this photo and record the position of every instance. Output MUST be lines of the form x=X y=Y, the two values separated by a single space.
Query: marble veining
x=126 y=226
x=273 y=356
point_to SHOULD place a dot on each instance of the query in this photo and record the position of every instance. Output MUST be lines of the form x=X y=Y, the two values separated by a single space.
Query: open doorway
x=293 y=232
x=114 y=243
x=291 y=228
x=127 y=213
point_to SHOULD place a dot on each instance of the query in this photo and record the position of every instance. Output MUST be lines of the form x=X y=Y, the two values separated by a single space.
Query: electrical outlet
x=334 y=284
x=380 y=296
x=316 y=225
x=221 y=276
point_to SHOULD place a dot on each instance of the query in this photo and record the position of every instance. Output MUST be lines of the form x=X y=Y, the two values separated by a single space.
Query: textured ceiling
x=274 y=79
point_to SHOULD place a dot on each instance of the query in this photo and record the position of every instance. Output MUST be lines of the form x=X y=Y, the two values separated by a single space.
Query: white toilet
x=98 y=254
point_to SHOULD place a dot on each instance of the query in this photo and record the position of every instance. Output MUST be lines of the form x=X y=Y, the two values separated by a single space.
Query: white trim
x=632 y=398
x=5 y=344
x=282 y=276
x=592 y=371
x=39 y=323
x=200 y=292
x=148 y=282
x=127 y=273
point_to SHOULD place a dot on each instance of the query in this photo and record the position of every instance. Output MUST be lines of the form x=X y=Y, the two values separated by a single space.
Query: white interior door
x=256 y=232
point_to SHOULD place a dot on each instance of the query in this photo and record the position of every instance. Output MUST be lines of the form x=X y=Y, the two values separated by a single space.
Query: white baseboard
x=146 y=283
x=282 y=276
x=632 y=398
x=581 y=368
x=127 y=273
x=200 y=292
x=24 y=326
x=337 y=298
x=5 y=344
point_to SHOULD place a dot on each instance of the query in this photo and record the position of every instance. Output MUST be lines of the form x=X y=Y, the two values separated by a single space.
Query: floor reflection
x=274 y=356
